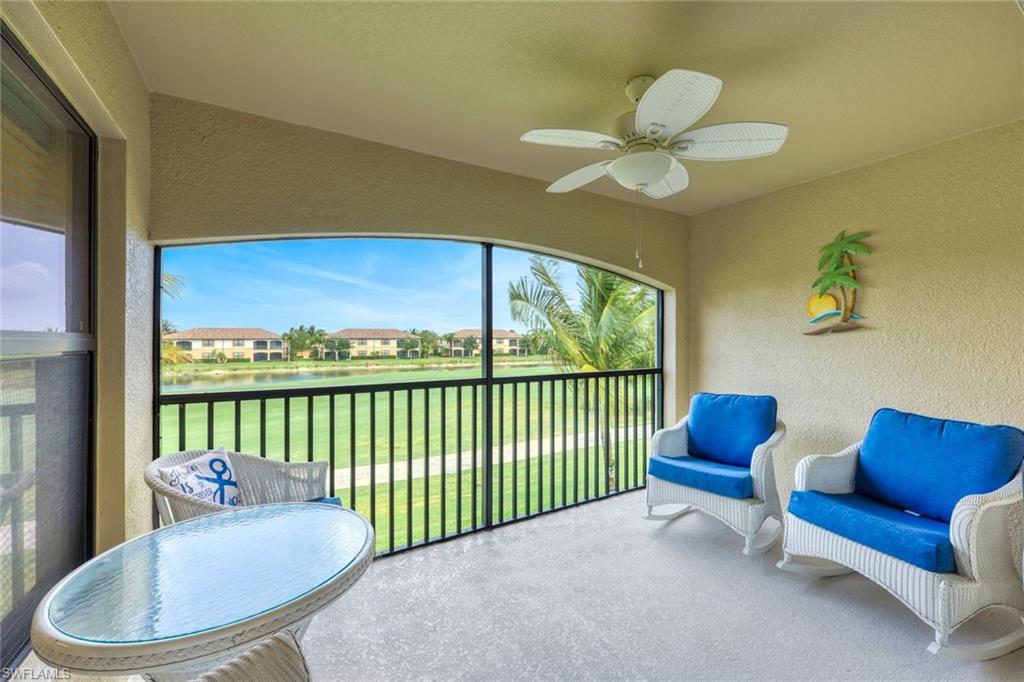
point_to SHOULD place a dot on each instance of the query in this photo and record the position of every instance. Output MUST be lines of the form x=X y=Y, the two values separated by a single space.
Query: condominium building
x=503 y=342
x=238 y=344
x=376 y=343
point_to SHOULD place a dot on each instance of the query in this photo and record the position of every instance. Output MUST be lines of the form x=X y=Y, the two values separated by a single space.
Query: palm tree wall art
x=837 y=272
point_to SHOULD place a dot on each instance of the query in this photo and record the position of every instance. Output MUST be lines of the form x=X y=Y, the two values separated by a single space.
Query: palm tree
x=449 y=340
x=469 y=344
x=611 y=326
x=341 y=347
x=171 y=284
x=837 y=270
x=304 y=338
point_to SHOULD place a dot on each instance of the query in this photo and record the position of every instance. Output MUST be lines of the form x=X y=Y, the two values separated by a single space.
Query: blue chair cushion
x=726 y=428
x=917 y=540
x=927 y=465
x=714 y=477
x=328 y=500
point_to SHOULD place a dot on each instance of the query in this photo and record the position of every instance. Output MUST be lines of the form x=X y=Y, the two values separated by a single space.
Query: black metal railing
x=429 y=460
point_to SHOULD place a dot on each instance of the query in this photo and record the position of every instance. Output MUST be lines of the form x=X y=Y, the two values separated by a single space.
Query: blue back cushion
x=927 y=465
x=726 y=428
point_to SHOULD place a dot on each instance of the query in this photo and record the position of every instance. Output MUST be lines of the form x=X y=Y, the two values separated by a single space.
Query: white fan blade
x=559 y=137
x=747 y=140
x=578 y=178
x=676 y=181
x=675 y=102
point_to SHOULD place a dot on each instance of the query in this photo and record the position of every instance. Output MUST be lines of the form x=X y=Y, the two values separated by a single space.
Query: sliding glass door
x=46 y=341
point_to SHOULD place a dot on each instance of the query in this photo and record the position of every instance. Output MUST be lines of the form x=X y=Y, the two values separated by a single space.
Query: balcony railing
x=430 y=460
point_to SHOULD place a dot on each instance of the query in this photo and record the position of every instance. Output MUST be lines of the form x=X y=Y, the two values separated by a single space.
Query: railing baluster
x=181 y=426
x=515 y=450
x=575 y=440
x=608 y=457
x=645 y=409
x=625 y=429
x=209 y=425
x=309 y=429
x=637 y=476
x=501 y=452
x=287 y=430
x=408 y=468
x=476 y=418
x=373 y=459
x=617 y=461
x=586 y=438
x=391 y=470
x=426 y=465
x=352 y=449
x=444 y=458
x=540 y=446
x=238 y=426
x=330 y=447
x=263 y=428
x=551 y=449
x=526 y=414
x=458 y=457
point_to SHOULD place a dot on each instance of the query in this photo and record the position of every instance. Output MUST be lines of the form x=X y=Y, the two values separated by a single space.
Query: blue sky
x=336 y=283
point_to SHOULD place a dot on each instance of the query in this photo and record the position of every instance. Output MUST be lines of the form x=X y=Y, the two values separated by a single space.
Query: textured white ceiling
x=856 y=82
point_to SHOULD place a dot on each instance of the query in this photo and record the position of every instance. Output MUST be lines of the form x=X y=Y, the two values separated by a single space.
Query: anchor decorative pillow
x=209 y=477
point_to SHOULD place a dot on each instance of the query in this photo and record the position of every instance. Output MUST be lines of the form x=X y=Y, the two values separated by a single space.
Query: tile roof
x=212 y=333
x=497 y=334
x=370 y=334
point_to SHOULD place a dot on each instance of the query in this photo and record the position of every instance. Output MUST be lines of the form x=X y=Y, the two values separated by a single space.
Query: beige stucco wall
x=81 y=48
x=941 y=294
x=221 y=174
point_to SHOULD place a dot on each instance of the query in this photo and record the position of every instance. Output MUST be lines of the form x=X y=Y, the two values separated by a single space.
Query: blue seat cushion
x=927 y=465
x=714 y=477
x=328 y=500
x=726 y=428
x=917 y=540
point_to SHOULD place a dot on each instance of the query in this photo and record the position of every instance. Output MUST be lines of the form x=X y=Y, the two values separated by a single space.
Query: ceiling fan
x=654 y=138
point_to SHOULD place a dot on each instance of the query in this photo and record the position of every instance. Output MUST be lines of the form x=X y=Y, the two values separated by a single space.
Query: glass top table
x=214 y=575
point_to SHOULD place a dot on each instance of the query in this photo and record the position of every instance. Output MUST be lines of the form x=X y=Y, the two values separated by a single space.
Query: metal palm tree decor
x=837 y=272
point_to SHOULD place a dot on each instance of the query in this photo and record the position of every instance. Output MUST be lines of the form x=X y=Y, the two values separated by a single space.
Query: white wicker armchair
x=260 y=481
x=985 y=531
x=746 y=516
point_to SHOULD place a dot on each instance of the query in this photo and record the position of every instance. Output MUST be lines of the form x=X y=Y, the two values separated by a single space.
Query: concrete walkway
x=455 y=462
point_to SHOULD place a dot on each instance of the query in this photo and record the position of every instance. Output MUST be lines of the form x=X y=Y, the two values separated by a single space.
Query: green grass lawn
x=526 y=490
x=410 y=426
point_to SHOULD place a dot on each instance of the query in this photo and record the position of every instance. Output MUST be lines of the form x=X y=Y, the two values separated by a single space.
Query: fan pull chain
x=638 y=233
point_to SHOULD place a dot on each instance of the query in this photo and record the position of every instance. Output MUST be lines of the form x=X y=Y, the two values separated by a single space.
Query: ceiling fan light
x=642 y=169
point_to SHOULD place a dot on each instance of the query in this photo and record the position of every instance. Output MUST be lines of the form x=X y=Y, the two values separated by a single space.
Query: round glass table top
x=208 y=572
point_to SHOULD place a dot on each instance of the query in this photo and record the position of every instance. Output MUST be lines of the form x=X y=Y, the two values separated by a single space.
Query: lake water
x=237 y=380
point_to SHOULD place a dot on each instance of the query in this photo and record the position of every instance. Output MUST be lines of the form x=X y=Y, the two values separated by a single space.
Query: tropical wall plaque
x=832 y=306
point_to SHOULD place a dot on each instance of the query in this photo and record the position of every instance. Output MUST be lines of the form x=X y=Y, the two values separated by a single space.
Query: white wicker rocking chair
x=260 y=481
x=745 y=515
x=985 y=531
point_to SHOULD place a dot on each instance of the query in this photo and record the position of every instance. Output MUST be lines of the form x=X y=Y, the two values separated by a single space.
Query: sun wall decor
x=837 y=273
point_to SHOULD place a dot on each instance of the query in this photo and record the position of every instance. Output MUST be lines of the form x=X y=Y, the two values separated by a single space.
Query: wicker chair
x=260 y=481
x=718 y=460
x=277 y=659
x=956 y=553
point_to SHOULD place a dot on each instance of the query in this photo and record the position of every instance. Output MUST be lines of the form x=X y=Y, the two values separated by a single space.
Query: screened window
x=46 y=342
